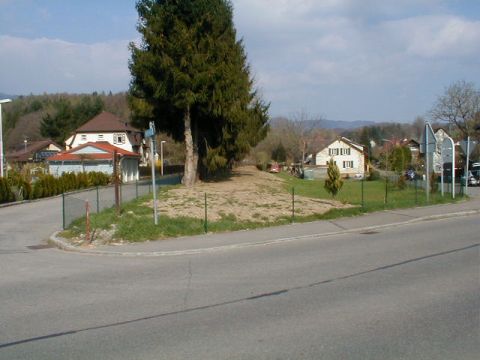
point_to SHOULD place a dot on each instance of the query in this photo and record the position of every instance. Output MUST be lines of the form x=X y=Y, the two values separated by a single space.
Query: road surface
x=408 y=292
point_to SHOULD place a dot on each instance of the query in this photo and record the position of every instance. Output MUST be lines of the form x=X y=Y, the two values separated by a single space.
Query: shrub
x=333 y=182
x=401 y=182
x=6 y=194
x=374 y=175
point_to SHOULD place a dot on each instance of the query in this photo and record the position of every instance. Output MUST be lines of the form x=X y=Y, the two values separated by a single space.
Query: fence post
x=87 y=222
x=416 y=192
x=136 y=189
x=63 y=210
x=386 y=190
x=98 y=202
x=205 y=223
x=363 y=200
x=293 y=204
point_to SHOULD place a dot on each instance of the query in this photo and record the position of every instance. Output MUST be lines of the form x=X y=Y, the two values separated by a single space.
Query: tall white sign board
x=448 y=156
x=428 y=145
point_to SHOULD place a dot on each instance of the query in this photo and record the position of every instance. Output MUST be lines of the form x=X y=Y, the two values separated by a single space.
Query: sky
x=378 y=60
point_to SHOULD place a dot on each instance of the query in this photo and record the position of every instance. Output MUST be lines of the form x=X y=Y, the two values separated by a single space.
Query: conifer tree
x=190 y=75
x=333 y=182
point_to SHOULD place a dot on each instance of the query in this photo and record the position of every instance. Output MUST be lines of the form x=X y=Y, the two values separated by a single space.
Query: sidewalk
x=274 y=235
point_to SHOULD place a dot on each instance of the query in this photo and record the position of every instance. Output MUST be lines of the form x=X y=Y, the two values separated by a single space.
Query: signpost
x=150 y=133
x=448 y=156
x=428 y=144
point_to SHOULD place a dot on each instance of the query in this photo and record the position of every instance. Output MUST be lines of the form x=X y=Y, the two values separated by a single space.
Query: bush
x=6 y=194
x=401 y=182
x=374 y=175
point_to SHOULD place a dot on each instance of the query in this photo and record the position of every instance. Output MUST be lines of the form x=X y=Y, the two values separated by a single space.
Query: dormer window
x=119 y=139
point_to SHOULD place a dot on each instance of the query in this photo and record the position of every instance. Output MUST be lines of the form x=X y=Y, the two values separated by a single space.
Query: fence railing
x=101 y=198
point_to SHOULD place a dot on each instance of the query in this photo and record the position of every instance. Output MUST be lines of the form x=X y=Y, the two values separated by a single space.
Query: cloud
x=50 y=65
x=319 y=52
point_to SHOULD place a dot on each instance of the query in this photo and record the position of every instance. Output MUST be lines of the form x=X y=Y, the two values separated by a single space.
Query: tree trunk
x=191 y=153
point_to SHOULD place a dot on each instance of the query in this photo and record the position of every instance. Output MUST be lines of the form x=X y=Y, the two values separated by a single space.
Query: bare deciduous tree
x=459 y=106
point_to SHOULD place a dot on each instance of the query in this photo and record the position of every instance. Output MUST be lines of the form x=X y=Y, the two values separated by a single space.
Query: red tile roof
x=21 y=155
x=75 y=155
x=105 y=122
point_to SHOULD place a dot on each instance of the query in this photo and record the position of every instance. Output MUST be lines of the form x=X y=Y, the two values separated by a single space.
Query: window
x=100 y=137
x=348 y=164
x=119 y=139
x=333 y=152
x=83 y=137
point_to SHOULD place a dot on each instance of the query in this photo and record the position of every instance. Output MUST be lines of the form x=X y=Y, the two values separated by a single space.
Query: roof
x=105 y=122
x=23 y=155
x=106 y=153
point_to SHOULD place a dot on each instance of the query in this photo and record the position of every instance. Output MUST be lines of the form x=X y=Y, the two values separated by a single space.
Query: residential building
x=96 y=156
x=107 y=127
x=33 y=152
x=349 y=156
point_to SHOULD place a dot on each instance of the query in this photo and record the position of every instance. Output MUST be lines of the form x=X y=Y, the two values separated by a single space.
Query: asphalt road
x=409 y=292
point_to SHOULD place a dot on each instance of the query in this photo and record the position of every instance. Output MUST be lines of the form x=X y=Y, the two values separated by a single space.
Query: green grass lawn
x=135 y=223
x=375 y=196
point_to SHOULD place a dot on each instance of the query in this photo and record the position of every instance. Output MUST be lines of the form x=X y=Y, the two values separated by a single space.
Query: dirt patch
x=249 y=195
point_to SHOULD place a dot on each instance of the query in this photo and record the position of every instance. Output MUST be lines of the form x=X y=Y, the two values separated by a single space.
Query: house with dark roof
x=33 y=152
x=107 y=127
x=350 y=157
x=95 y=156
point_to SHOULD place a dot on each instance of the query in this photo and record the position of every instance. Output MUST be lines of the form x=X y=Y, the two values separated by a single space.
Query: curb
x=62 y=245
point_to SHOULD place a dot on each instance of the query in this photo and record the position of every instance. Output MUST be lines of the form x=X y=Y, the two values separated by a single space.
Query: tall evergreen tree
x=190 y=76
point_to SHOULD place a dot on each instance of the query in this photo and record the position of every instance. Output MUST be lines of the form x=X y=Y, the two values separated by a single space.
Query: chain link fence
x=101 y=198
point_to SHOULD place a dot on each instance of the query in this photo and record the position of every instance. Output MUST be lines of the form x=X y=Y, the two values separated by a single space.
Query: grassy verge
x=135 y=223
x=376 y=194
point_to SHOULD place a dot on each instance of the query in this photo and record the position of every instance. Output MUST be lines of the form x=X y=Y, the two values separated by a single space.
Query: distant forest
x=55 y=116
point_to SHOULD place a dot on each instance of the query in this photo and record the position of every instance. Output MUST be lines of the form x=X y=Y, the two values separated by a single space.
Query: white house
x=349 y=156
x=107 y=127
x=95 y=156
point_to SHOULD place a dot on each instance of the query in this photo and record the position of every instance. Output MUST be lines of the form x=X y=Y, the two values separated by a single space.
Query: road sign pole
x=152 y=153
x=466 y=165
x=427 y=167
x=453 y=172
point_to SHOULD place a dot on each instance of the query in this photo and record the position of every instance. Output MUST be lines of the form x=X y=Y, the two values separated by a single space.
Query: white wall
x=355 y=156
x=83 y=138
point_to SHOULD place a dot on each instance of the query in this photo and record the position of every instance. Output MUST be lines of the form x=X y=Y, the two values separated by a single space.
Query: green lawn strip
x=373 y=194
x=135 y=223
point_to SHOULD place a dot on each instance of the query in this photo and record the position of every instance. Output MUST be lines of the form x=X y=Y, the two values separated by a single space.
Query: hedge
x=47 y=185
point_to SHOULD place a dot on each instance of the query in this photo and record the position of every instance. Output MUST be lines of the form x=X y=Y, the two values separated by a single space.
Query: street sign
x=465 y=146
x=149 y=133
x=448 y=150
x=428 y=142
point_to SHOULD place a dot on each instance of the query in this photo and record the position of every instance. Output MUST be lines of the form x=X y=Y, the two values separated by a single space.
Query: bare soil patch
x=249 y=195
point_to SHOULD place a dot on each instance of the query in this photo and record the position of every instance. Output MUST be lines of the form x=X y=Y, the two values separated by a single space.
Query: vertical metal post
x=466 y=166
x=386 y=189
x=453 y=174
x=63 y=210
x=136 y=189
x=205 y=222
x=293 y=204
x=87 y=222
x=363 y=202
x=154 y=185
x=427 y=167
x=115 y=179
x=98 y=201
x=441 y=181
x=416 y=191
